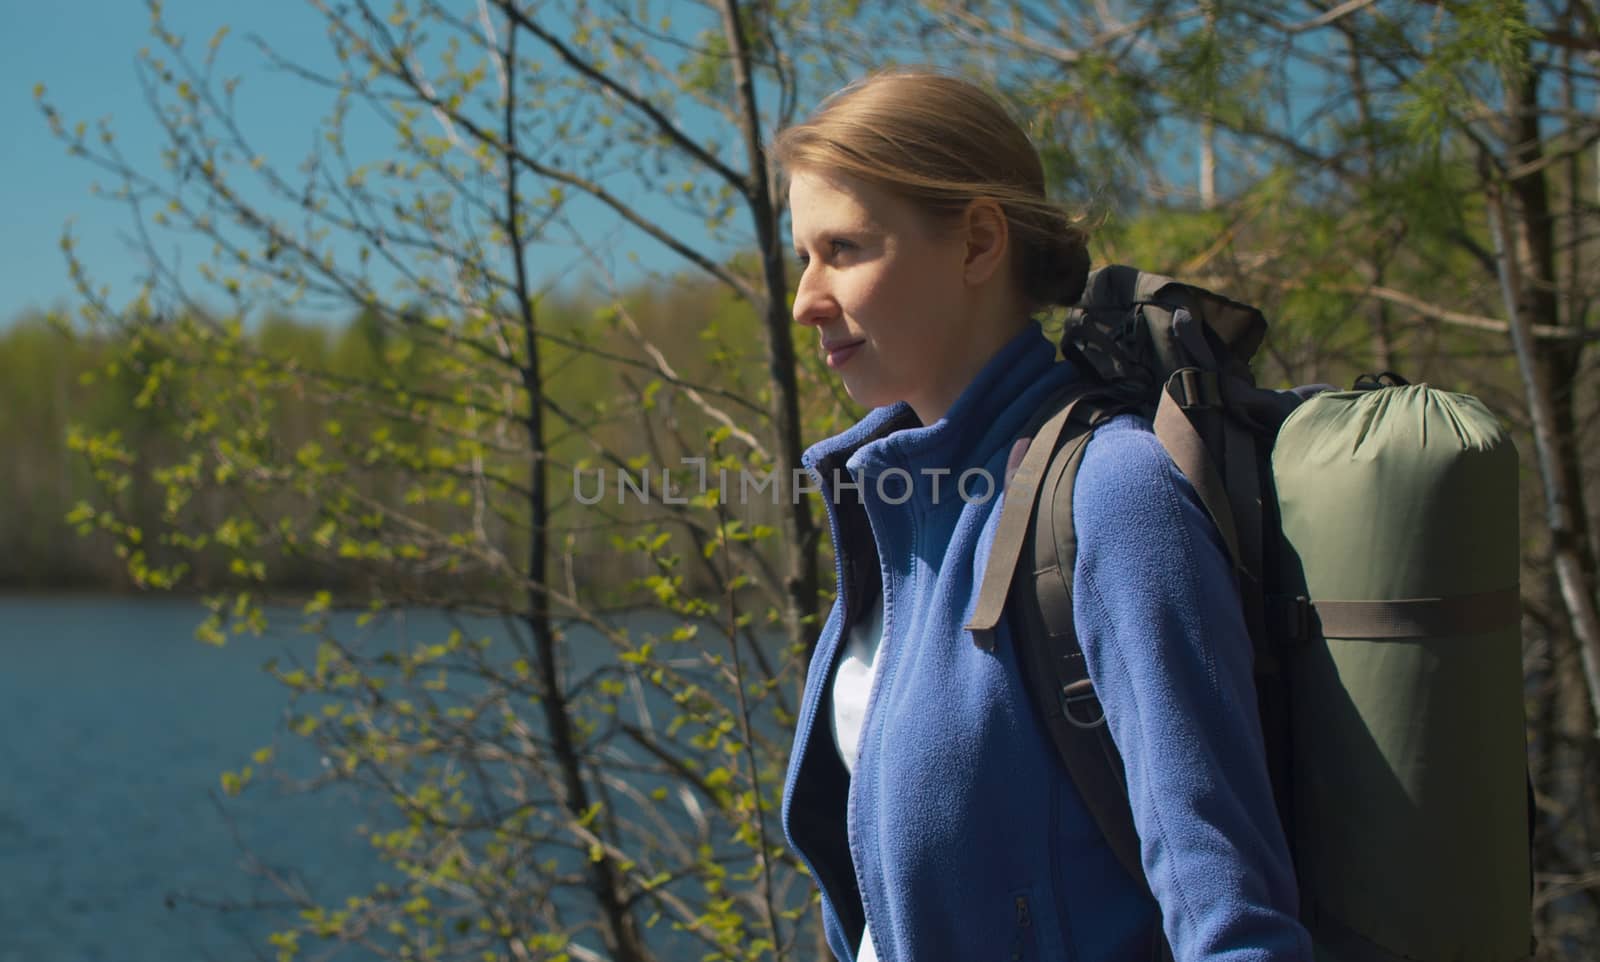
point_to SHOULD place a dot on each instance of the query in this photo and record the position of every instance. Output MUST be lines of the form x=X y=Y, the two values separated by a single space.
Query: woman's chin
x=869 y=396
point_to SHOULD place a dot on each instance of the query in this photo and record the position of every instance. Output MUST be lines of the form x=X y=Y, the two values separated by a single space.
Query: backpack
x=1373 y=534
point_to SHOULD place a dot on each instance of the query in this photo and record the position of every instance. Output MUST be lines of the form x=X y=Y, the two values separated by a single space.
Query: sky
x=84 y=53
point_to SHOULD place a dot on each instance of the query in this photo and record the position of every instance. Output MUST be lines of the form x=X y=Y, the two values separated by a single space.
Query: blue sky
x=84 y=52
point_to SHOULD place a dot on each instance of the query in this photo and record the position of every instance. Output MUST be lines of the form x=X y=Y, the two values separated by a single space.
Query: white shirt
x=852 y=684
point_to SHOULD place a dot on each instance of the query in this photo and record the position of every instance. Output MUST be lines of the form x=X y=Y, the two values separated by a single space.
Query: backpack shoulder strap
x=1057 y=673
x=1031 y=565
x=1046 y=433
x=1053 y=664
x=1188 y=450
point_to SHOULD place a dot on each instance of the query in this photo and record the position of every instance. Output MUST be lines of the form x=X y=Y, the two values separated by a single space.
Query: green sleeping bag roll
x=1409 y=817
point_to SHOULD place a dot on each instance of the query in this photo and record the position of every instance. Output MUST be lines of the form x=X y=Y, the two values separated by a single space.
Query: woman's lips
x=839 y=353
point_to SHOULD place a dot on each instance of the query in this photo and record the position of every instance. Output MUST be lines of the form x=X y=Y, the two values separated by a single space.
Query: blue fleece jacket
x=961 y=836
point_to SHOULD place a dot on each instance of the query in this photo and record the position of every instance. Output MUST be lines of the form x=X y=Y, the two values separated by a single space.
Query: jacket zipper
x=1022 y=944
x=808 y=711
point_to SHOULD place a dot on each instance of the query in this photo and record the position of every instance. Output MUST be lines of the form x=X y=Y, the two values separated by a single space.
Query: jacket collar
x=984 y=415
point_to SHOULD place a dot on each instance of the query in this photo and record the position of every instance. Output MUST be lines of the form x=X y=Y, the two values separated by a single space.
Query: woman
x=923 y=791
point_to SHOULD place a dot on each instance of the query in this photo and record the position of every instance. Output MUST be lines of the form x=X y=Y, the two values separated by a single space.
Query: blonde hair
x=940 y=143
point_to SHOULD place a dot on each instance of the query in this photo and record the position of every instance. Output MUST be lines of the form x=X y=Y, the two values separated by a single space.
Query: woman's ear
x=986 y=234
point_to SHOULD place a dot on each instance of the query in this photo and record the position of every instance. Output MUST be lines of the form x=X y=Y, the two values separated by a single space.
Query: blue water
x=115 y=725
x=116 y=840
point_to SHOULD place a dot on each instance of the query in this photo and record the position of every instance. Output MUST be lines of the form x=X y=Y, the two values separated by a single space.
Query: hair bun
x=1058 y=268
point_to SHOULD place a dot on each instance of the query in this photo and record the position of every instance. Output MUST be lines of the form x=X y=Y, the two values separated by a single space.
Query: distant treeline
x=52 y=381
x=49 y=381
x=55 y=380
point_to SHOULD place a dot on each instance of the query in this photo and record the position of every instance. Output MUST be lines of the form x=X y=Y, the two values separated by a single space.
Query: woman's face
x=888 y=295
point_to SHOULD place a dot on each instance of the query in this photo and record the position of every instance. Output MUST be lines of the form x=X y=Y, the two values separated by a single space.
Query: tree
x=543 y=805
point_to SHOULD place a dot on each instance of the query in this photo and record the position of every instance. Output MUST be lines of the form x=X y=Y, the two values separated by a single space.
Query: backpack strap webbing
x=1053 y=662
x=1021 y=493
x=1031 y=561
x=1211 y=442
x=1410 y=618
x=1177 y=433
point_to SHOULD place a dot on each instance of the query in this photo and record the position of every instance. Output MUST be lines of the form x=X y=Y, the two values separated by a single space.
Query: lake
x=115 y=725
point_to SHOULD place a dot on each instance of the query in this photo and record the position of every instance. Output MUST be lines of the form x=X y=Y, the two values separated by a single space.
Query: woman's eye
x=834 y=247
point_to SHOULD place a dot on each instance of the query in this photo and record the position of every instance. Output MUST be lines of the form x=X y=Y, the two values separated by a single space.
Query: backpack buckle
x=1078 y=693
x=1302 y=618
x=1291 y=618
x=1196 y=388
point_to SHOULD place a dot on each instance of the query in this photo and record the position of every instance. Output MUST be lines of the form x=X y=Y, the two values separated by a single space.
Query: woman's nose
x=812 y=302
